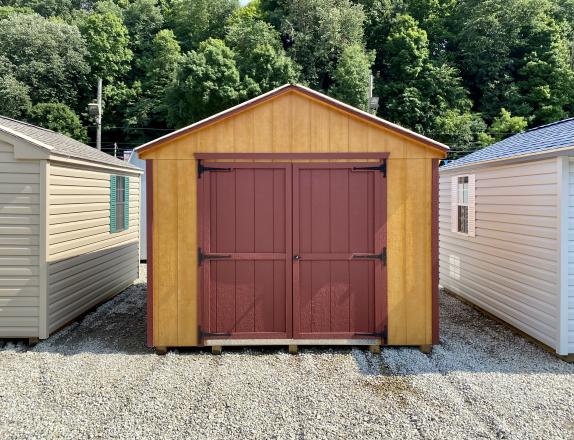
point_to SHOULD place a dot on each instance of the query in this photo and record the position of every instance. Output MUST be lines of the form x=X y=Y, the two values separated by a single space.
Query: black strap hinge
x=381 y=335
x=201 y=256
x=382 y=256
x=382 y=167
x=202 y=169
x=202 y=335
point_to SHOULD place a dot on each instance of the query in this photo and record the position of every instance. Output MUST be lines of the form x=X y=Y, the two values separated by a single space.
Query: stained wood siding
x=510 y=268
x=571 y=257
x=19 y=245
x=292 y=123
x=86 y=263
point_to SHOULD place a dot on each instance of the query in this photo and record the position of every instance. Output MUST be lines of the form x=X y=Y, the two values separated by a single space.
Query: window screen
x=119 y=203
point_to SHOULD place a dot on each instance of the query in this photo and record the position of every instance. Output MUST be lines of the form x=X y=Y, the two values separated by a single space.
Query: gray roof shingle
x=546 y=137
x=63 y=145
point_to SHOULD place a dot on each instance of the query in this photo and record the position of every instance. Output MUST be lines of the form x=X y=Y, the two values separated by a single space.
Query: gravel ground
x=96 y=379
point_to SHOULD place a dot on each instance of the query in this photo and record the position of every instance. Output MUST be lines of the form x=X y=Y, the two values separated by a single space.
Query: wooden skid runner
x=261 y=342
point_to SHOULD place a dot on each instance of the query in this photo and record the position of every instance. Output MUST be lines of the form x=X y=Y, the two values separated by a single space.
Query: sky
x=244 y=2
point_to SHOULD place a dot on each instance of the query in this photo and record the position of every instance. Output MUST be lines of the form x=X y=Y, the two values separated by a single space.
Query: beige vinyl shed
x=69 y=229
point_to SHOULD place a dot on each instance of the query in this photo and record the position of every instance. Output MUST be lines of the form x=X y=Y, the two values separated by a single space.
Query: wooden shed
x=292 y=219
x=507 y=232
x=69 y=229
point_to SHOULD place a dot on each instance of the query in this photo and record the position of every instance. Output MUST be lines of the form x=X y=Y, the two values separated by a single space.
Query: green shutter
x=126 y=202
x=113 y=204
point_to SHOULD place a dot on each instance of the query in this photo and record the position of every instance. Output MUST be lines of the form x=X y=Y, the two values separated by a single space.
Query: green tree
x=7 y=11
x=59 y=118
x=143 y=19
x=506 y=125
x=46 y=8
x=351 y=77
x=48 y=56
x=15 y=99
x=161 y=64
x=545 y=80
x=107 y=40
x=259 y=55
x=316 y=32
x=208 y=81
x=423 y=95
x=194 y=21
x=463 y=131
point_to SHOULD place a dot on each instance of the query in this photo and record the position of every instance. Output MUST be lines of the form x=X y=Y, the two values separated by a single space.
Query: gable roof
x=547 y=137
x=59 y=144
x=305 y=91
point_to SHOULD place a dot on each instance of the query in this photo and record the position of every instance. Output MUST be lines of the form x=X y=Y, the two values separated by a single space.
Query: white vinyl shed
x=506 y=217
x=140 y=163
x=69 y=229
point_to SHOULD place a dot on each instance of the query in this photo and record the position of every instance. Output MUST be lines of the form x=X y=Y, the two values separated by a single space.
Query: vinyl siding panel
x=570 y=239
x=87 y=264
x=510 y=268
x=19 y=245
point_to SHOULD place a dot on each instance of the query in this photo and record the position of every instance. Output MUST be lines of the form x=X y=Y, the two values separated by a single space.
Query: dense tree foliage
x=58 y=117
x=465 y=72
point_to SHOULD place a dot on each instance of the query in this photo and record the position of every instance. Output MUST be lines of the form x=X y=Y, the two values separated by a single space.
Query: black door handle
x=296 y=257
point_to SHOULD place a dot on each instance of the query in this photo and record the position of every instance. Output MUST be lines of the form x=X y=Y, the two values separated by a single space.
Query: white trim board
x=563 y=171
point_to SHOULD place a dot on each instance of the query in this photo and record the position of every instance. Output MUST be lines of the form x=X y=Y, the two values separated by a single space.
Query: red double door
x=292 y=251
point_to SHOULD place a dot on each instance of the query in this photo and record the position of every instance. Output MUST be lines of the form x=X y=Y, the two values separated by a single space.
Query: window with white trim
x=463 y=204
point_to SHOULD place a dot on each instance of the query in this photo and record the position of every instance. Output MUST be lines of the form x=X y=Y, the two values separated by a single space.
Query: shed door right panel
x=338 y=231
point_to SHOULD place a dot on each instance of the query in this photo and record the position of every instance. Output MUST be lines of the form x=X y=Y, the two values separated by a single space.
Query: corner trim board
x=563 y=171
x=435 y=252
x=43 y=249
x=149 y=227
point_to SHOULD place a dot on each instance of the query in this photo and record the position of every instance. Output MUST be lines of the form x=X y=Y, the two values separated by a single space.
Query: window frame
x=463 y=205
x=462 y=202
x=119 y=203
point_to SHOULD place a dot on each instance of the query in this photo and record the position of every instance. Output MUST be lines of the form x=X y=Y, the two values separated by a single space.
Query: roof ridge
x=548 y=125
x=31 y=125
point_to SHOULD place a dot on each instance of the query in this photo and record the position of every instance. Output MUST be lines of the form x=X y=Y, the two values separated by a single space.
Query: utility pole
x=99 y=117
x=115 y=149
x=373 y=104
x=95 y=110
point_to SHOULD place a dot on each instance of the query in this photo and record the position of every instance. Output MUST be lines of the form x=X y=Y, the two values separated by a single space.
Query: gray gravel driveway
x=96 y=379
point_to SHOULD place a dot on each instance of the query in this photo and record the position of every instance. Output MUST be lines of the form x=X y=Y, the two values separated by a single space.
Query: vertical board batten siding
x=87 y=263
x=19 y=245
x=570 y=249
x=288 y=124
x=510 y=268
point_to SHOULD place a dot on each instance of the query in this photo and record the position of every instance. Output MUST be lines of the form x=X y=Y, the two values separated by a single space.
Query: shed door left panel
x=245 y=230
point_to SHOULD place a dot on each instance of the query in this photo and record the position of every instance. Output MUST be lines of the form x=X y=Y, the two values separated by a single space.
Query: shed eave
x=93 y=164
x=544 y=154
x=304 y=91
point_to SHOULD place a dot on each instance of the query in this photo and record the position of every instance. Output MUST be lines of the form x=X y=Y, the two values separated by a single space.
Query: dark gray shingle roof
x=63 y=145
x=546 y=137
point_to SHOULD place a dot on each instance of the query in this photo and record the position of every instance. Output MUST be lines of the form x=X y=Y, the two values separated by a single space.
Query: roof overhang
x=24 y=146
x=539 y=155
x=304 y=91
x=100 y=166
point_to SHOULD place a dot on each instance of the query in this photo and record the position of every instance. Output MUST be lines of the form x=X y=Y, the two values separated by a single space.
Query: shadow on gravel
x=117 y=326
x=470 y=342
